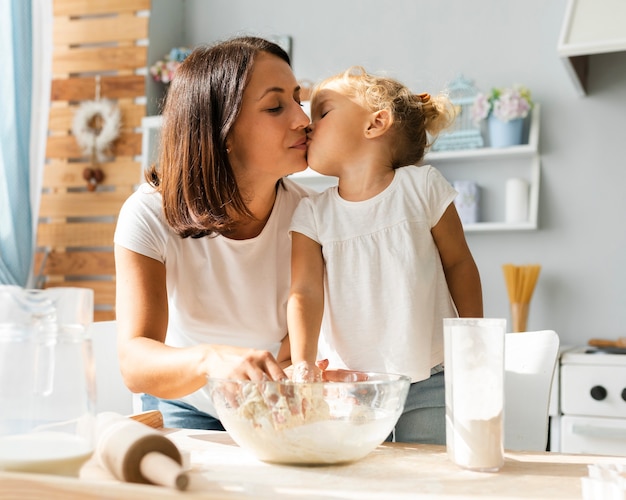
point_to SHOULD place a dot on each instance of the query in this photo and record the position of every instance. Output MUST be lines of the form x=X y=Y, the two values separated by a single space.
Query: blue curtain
x=16 y=229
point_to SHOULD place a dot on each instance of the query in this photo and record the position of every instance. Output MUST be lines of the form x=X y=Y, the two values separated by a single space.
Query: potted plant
x=164 y=69
x=505 y=110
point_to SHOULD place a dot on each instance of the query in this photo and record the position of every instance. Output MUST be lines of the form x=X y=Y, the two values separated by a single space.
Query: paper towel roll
x=516 y=200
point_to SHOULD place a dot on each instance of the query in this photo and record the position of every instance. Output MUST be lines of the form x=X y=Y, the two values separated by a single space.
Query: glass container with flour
x=47 y=379
x=474 y=385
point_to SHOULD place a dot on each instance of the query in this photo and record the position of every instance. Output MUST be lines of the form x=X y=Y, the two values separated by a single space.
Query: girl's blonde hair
x=417 y=119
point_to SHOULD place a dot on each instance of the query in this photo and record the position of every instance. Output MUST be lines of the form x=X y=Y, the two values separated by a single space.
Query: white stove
x=593 y=401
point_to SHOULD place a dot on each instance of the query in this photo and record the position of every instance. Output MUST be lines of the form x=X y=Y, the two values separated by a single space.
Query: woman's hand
x=242 y=364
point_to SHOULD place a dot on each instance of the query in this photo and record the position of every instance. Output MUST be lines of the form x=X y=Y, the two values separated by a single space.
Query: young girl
x=381 y=259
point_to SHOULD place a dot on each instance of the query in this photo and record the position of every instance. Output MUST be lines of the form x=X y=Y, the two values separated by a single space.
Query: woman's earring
x=228 y=150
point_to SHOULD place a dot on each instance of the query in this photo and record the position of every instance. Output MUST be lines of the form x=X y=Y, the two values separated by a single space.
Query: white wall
x=581 y=242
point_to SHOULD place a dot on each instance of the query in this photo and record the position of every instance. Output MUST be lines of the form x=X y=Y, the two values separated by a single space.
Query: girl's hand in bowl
x=341 y=375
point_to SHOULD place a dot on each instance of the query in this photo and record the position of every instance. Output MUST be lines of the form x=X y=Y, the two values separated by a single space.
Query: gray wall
x=581 y=240
x=166 y=30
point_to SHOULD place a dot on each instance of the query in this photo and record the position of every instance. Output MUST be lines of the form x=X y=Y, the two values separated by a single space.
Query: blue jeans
x=424 y=417
x=179 y=415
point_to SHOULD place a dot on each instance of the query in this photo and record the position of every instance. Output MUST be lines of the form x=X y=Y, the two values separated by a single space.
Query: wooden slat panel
x=111 y=87
x=75 y=263
x=61 y=118
x=91 y=37
x=86 y=204
x=103 y=315
x=132 y=115
x=92 y=7
x=127 y=144
x=123 y=87
x=77 y=234
x=63 y=147
x=99 y=59
x=70 y=175
x=99 y=30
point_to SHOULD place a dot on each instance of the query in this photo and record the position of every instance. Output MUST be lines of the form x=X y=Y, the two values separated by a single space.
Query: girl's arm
x=458 y=264
x=147 y=364
x=306 y=299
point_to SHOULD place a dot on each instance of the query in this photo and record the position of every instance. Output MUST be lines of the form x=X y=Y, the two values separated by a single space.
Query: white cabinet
x=590 y=27
x=490 y=168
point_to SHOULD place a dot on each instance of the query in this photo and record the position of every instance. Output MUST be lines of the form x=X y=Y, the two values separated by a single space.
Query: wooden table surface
x=222 y=470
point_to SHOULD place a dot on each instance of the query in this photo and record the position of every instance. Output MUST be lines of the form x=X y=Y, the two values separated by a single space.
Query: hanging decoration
x=93 y=177
x=96 y=125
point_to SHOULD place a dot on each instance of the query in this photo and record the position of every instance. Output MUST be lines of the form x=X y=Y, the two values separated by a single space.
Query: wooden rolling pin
x=620 y=342
x=136 y=453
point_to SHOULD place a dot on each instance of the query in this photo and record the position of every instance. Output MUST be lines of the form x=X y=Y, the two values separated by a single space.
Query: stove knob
x=624 y=394
x=598 y=392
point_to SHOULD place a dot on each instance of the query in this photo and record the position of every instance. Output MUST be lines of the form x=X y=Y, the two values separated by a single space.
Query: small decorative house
x=463 y=134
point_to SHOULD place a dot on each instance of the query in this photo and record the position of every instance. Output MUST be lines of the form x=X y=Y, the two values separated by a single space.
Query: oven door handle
x=604 y=431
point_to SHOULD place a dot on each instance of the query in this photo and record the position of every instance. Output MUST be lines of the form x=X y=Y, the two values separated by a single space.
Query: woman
x=202 y=252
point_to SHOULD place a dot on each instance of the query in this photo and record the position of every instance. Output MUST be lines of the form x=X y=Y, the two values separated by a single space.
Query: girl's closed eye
x=321 y=112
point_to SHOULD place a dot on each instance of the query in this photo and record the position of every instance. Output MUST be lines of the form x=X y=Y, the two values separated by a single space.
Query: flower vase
x=504 y=134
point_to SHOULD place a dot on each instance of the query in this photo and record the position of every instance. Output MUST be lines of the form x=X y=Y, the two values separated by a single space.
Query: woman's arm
x=458 y=264
x=147 y=364
x=306 y=299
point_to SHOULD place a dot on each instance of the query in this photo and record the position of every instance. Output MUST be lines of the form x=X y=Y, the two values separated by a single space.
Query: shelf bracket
x=578 y=69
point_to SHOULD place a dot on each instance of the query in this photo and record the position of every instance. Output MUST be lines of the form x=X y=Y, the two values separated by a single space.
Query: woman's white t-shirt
x=220 y=290
x=385 y=290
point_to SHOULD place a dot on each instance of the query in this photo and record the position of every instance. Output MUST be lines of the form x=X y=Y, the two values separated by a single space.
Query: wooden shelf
x=522 y=151
x=520 y=161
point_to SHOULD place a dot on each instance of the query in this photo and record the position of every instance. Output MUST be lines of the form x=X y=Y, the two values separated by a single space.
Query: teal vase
x=504 y=134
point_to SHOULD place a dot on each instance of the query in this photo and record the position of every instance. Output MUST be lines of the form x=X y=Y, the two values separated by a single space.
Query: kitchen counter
x=222 y=470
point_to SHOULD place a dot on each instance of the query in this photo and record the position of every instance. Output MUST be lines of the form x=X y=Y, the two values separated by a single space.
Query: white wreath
x=87 y=137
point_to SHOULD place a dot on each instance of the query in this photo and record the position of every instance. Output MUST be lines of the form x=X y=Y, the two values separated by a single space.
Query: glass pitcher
x=47 y=379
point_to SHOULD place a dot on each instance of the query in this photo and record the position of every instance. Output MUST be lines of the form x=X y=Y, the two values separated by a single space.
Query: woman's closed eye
x=276 y=109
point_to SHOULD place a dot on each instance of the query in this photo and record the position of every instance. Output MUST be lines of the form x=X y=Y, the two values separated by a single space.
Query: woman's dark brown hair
x=193 y=174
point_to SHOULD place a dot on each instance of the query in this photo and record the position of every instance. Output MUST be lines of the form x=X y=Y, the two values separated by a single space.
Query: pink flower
x=480 y=109
x=506 y=104
x=164 y=70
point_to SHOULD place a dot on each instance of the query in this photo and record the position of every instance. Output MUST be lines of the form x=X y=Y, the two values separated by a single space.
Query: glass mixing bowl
x=311 y=423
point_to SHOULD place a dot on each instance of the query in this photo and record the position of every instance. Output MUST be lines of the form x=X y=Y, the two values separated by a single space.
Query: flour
x=477 y=444
x=321 y=442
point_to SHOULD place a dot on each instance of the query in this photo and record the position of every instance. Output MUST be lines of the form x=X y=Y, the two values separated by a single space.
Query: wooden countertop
x=222 y=470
